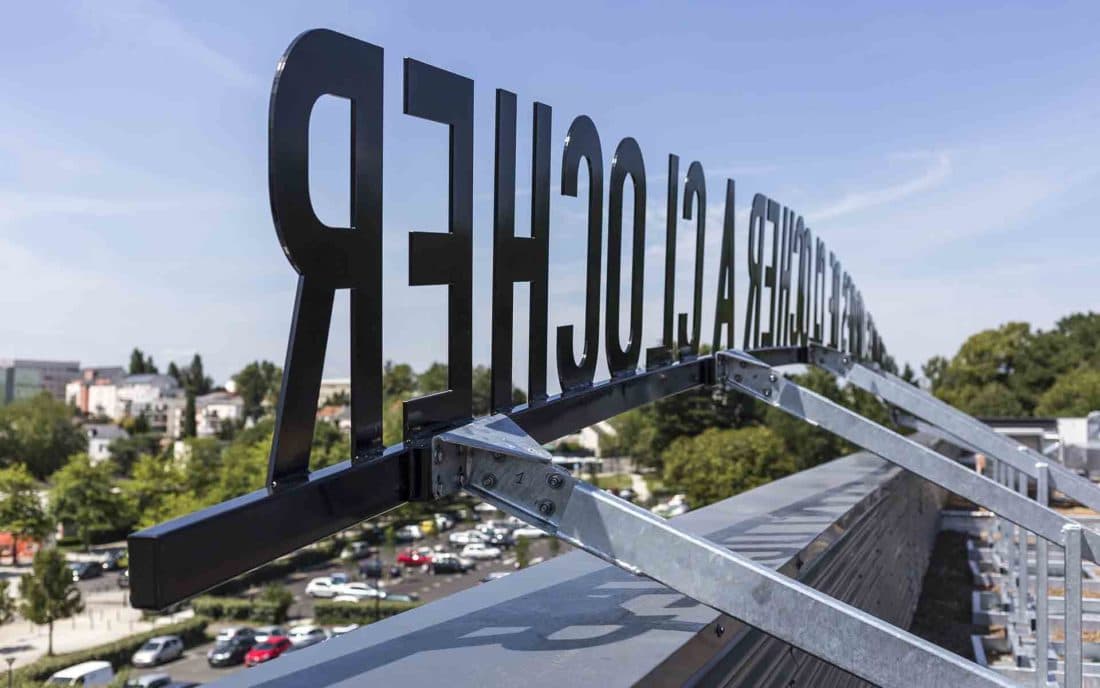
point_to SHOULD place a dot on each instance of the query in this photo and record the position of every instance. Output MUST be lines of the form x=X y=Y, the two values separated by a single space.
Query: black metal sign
x=798 y=292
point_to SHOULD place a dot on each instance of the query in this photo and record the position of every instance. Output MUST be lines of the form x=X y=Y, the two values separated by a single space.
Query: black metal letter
x=446 y=257
x=627 y=161
x=583 y=142
x=754 y=302
x=317 y=63
x=694 y=186
x=723 y=302
x=519 y=259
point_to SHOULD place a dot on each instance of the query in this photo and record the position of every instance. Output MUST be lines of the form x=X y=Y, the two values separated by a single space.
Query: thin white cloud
x=936 y=173
x=152 y=23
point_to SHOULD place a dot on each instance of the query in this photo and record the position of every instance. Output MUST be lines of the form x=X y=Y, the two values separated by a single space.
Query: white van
x=84 y=674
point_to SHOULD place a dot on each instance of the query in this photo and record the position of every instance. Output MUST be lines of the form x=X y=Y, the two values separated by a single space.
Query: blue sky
x=947 y=153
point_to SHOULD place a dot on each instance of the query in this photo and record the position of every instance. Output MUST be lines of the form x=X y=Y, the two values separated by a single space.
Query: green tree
x=330 y=446
x=523 y=552
x=141 y=364
x=1075 y=393
x=21 y=510
x=398 y=380
x=280 y=597
x=189 y=429
x=48 y=592
x=84 y=496
x=434 y=379
x=194 y=378
x=39 y=433
x=8 y=604
x=720 y=463
x=125 y=451
x=809 y=445
x=153 y=484
x=258 y=384
x=482 y=384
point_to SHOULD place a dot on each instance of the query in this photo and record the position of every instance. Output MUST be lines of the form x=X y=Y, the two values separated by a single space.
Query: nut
x=555 y=481
x=546 y=508
x=488 y=481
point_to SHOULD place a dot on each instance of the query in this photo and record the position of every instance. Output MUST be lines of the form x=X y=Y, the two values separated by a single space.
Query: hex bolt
x=772 y=377
x=845 y=360
x=737 y=378
x=555 y=481
x=546 y=508
x=767 y=392
x=719 y=630
x=488 y=481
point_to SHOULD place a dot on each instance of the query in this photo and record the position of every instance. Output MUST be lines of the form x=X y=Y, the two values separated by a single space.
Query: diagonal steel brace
x=741 y=372
x=968 y=431
x=494 y=460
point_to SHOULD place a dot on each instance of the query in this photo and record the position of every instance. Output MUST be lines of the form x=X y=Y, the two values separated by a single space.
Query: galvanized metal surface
x=575 y=620
x=744 y=373
x=1042 y=585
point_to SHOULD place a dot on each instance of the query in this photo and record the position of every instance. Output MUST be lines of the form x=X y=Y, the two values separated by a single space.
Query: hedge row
x=237 y=609
x=192 y=632
x=329 y=613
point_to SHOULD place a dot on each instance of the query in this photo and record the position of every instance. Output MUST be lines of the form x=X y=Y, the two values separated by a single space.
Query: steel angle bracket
x=741 y=372
x=493 y=459
x=968 y=432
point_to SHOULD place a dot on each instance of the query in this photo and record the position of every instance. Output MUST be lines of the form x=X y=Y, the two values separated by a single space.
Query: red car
x=415 y=557
x=267 y=650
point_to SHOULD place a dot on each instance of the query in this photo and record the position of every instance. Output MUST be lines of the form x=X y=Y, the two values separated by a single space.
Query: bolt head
x=555 y=481
x=488 y=481
x=772 y=377
x=737 y=378
x=546 y=507
x=767 y=392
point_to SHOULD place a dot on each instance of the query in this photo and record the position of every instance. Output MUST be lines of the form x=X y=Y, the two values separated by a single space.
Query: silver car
x=158 y=650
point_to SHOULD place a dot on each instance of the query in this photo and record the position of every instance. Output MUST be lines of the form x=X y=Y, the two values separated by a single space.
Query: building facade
x=22 y=378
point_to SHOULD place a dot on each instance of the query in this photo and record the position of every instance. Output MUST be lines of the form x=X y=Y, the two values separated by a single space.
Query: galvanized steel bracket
x=496 y=461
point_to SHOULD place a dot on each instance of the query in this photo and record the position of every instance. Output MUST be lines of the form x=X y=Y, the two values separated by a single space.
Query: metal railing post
x=1021 y=558
x=1071 y=534
x=1042 y=612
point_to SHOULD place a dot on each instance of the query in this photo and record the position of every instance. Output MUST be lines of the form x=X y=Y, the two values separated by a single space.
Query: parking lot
x=418 y=581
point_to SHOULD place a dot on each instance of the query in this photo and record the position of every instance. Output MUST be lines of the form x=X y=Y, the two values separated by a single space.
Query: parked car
x=443 y=522
x=402 y=597
x=421 y=556
x=158 y=650
x=371 y=568
x=231 y=651
x=85 y=674
x=495 y=575
x=359 y=591
x=268 y=650
x=341 y=630
x=83 y=570
x=148 y=681
x=357 y=550
x=480 y=551
x=304 y=636
x=323 y=586
x=234 y=633
x=529 y=532
x=264 y=633
x=465 y=537
x=408 y=534
x=445 y=562
x=113 y=559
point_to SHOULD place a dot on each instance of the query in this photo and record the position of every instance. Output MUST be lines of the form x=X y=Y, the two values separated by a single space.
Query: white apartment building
x=211 y=410
x=100 y=436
